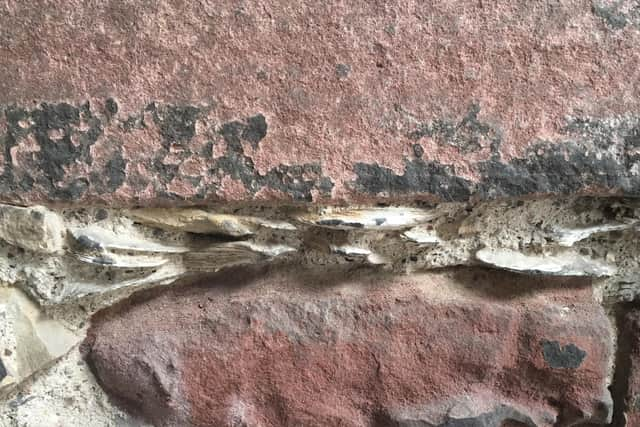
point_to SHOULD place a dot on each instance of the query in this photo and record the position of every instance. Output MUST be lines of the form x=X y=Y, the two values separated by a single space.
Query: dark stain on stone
x=52 y=126
x=252 y=131
x=115 y=172
x=295 y=180
x=37 y=215
x=325 y=186
x=3 y=371
x=343 y=70
x=101 y=214
x=565 y=357
x=111 y=106
x=55 y=154
x=165 y=172
x=420 y=176
x=418 y=151
x=73 y=191
x=255 y=130
x=465 y=135
x=556 y=168
x=610 y=14
x=177 y=123
x=591 y=153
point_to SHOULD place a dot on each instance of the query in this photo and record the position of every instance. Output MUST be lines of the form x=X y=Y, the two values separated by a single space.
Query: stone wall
x=366 y=213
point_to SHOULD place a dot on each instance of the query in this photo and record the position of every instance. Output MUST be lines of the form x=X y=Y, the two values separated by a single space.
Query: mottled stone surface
x=456 y=348
x=188 y=102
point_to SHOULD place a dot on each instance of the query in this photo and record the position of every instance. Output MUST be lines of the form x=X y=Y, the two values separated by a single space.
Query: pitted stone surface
x=295 y=348
x=167 y=103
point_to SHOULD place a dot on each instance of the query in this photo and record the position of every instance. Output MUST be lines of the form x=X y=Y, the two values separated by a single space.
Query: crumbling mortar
x=88 y=269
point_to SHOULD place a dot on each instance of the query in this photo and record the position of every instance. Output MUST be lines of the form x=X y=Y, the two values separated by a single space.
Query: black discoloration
x=255 y=130
x=420 y=177
x=3 y=371
x=556 y=168
x=101 y=214
x=115 y=170
x=252 y=131
x=177 y=123
x=37 y=215
x=73 y=191
x=296 y=180
x=468 y=135
x=566 y=357
x=593 y=153
x=52 y=127
x=55 y=154
x=111 y=106
x=418 y=151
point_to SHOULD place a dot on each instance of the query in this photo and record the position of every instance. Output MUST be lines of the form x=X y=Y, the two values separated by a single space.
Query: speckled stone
x=191 y=102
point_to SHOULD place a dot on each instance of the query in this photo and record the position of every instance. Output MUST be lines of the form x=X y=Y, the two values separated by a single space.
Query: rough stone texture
x=187 y=102
x=456 y=348
x=630 y=368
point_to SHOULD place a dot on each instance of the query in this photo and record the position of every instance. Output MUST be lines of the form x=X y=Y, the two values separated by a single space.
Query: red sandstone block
x=189 y=102
x=294 y=349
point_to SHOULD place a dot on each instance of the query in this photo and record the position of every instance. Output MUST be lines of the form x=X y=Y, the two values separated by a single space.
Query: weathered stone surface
x=456 y=348
x=188 y=102
x=629 y=367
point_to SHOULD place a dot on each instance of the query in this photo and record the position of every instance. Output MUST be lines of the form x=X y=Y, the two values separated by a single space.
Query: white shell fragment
x=569 y=236
x=30 y=341
x=201 y=221
x=389 y=218
x=422 y=236
x=36 y=228
x=358 y=253
x=164 y=275
x=96 y=237
x=562 y=264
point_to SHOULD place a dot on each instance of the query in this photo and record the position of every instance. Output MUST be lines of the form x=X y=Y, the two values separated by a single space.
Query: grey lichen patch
x=568 y=356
